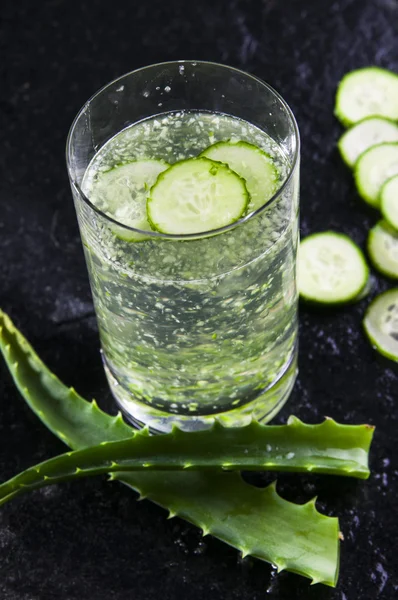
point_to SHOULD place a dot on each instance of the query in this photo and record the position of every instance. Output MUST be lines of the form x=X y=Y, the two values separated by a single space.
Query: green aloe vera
x=255 y=521
x=326 y=448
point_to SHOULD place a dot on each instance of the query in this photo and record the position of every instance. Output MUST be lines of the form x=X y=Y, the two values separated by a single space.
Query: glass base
x=263 y=408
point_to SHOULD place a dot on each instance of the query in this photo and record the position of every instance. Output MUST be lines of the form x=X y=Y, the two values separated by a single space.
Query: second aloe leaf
x=325 y=448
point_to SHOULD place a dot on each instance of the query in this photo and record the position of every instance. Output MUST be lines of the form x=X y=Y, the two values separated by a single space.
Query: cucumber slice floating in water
x=195 y=196
x=331 y=269
x=389 y=201
x=383 y=249
x=372 y=170
x=381 y=324
x=253 y=164
x=364 y=135
x=367 y=92
x=121 y=193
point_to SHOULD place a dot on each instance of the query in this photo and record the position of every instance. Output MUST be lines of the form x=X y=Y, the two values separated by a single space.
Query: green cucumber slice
x=372 y=170
x=383 y=249
x=389 y=201
x=331 y=269
x=195 y=196
x=121 y=193
x=365 y=134
x=381 y=324
x=253 y=164
x=367 y=92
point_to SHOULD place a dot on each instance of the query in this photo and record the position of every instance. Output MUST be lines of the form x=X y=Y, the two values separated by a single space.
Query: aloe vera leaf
x=257 y=522
x=325 y=448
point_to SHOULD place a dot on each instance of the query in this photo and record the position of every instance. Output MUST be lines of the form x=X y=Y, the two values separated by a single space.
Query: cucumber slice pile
x=122 y=194
x=381 y=324
x=364 y=135
x=331 y=269
x=372 y=170
x=368 y=98
x=196 y=195
x=383 y=249
x=254 y=165
x=389 y=201
x=366 y=92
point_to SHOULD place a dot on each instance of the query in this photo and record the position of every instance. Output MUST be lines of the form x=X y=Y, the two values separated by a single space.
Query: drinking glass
x=200 y=326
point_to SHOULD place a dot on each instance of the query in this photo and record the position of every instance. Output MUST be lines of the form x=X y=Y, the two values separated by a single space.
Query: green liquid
x=193 y=327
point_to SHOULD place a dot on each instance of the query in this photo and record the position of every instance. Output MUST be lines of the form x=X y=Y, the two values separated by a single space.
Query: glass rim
x=186 y=236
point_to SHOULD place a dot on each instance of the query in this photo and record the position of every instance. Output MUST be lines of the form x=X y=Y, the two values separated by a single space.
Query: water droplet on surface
x=181 y=544
x=167 y=89
x=200 y=549
x=273 y=580
x=181 y=69
x=146 y=93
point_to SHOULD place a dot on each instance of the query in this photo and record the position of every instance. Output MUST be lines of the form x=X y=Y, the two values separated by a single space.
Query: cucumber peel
x=221 y=504
x=381 y=324
x=250 y=162
x=370 y=91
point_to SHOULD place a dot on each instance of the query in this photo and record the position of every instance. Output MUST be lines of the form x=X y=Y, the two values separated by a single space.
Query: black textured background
x=92 y=540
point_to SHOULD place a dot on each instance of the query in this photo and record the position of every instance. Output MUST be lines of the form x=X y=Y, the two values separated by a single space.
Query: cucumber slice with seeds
x=389 y=201
x=195 y=196
x=121 y=193
x=383 y=249
x=253 y=164
x=364 y=135
x=367 y=92
x=372 y=170
x=331 y=269
x=381 y=324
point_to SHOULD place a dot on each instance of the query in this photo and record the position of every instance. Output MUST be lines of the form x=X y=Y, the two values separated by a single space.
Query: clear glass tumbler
x=195 y=326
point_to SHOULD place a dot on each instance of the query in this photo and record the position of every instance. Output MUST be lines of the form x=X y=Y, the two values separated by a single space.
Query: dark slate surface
x=93 y=540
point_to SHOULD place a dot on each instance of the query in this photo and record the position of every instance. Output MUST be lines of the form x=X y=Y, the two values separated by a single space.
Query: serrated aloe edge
x=255 y=521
